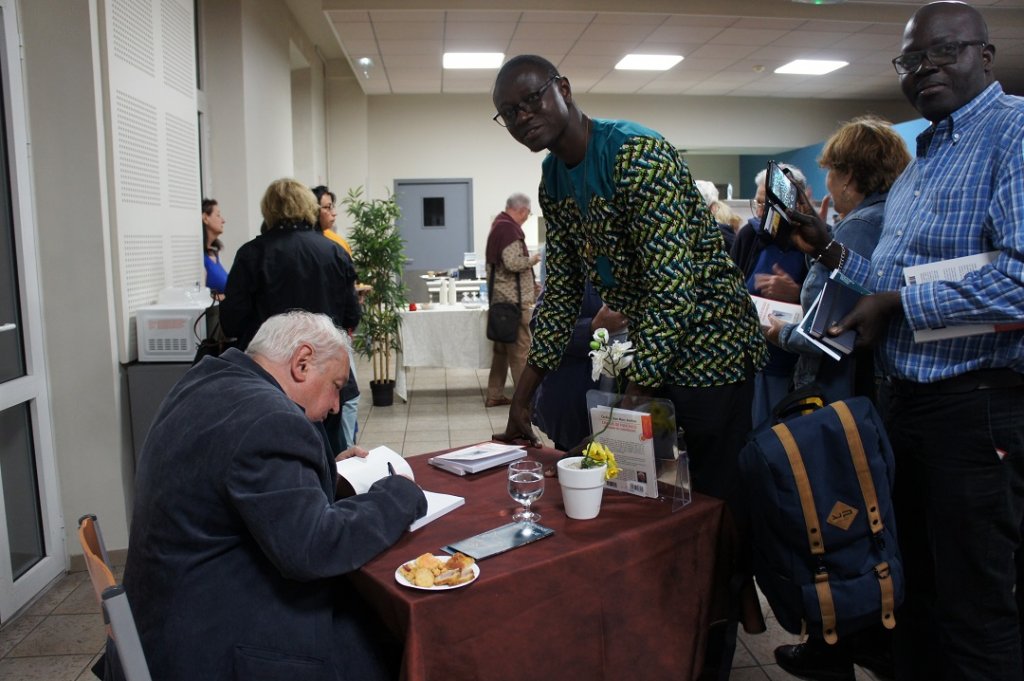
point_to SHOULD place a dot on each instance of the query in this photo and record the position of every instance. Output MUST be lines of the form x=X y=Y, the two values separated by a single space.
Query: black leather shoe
x=815 y=660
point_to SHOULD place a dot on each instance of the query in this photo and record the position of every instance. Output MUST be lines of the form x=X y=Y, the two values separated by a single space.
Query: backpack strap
x=814 y=539
x=803 y=488
x=867 y=489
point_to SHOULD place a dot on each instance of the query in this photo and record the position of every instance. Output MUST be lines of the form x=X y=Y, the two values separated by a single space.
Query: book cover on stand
x=631 y=437
x=362 y=472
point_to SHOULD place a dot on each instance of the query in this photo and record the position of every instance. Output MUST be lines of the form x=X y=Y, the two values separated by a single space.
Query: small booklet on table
x=478 y=457
x=361 y=473
x=499 y=540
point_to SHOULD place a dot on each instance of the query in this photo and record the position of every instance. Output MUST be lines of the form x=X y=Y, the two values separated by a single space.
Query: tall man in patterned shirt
x=955 y=411
x=622 y=210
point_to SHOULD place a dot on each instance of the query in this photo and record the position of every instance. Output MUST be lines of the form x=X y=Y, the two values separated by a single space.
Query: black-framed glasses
x=330 y=208
x=529 y=104
x=937 y=55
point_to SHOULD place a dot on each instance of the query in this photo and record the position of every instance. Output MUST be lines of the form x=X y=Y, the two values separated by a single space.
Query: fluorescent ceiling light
x=648 y=62
x=811 y=67
x=472 y=60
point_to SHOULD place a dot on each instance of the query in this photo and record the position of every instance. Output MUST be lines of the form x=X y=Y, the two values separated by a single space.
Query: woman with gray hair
x=290 y=266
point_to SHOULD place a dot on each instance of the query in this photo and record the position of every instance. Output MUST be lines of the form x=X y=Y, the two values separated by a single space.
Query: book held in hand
x=838 y=297
x=479 y=457
x=362 y=472
x=954 y=269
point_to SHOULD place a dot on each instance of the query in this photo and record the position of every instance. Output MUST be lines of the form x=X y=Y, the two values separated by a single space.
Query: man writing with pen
x=237 y=537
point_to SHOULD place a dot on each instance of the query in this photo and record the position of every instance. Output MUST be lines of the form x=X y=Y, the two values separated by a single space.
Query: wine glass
x=525 y=485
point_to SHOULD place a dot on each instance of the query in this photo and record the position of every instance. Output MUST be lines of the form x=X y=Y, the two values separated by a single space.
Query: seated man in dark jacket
x=237 y=538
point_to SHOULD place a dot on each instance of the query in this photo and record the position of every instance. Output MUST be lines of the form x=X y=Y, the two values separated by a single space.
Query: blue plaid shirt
x=962 y=195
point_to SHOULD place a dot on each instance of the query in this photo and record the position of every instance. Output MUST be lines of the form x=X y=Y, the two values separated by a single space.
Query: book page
x=361 y=472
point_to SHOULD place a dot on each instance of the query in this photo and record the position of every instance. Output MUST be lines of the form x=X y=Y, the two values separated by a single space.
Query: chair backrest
x=95 y=553
x=117 y=613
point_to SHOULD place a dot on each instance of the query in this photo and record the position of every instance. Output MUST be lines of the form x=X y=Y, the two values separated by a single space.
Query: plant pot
x=383 y=393
x=582 y=488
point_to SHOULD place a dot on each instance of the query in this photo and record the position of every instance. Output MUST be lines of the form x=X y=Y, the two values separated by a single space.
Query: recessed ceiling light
x=648 y=62
x=472 y=60
x=811 y=67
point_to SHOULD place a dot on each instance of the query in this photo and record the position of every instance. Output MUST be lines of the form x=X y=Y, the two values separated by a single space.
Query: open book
x=478 y=458
x=361 y=473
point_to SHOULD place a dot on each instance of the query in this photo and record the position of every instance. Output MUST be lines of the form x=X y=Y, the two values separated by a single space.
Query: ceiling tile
x=409 y=30
x=559 y=17
x=416 y=16
x=498 y=32
x=481 y=16
x=424 y=47
x=743 y=36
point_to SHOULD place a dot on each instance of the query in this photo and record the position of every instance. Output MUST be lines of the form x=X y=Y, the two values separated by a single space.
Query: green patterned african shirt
x=653 y=252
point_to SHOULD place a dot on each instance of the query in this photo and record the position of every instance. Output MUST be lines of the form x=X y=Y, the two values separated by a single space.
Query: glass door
x=32 y=549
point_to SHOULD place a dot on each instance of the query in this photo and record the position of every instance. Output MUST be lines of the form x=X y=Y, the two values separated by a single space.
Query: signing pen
x=391 y=469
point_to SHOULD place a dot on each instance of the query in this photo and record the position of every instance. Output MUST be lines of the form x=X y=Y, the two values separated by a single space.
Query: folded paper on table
x=953 y=269
x=479 y=457
x=362 y=472
x=499 y=540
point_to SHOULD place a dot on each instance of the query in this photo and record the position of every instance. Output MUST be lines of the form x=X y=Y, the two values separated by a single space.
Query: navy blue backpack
x=822 y=526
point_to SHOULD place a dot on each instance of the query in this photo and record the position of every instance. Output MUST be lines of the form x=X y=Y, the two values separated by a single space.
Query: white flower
x=607 y=359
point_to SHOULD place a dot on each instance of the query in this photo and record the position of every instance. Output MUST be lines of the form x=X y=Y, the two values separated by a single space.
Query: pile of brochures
x=838 y=296
x=478 y=457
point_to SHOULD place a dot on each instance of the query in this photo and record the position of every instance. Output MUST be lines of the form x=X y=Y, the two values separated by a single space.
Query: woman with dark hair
x=213 y=227
x=328 y=203
x=328 y=215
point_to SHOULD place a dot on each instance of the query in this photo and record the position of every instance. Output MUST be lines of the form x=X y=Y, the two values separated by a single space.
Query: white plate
x=404 y=582
x=472 y=305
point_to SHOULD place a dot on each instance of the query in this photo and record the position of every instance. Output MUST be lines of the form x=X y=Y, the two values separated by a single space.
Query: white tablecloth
x=449 y=336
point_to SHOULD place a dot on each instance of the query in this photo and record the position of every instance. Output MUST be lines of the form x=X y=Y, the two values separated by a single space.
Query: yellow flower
x=596 y=454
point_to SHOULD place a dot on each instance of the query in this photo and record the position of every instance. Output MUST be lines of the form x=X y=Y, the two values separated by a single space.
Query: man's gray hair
x=798 y=175
x=282 y=334
x=517 y=201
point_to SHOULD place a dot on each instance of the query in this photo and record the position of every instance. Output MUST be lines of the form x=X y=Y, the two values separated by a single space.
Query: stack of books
x=478 y=457
x=838 y=296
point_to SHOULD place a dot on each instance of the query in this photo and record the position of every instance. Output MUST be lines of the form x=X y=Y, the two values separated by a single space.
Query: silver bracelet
x=842 y=257
x=823 y=251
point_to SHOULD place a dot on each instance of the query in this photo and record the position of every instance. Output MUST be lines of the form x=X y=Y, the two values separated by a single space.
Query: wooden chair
x=117 y=613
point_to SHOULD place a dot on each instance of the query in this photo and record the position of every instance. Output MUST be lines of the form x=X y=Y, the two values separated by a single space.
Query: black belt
x=981 y=379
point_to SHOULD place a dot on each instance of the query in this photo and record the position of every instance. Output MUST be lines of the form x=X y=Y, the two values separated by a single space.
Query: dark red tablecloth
x=626 y=596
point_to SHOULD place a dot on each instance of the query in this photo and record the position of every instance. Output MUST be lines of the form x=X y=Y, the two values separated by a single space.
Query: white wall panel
x=149 y=68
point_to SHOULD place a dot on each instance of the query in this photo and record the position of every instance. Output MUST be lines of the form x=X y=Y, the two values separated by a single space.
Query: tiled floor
x=59 y=636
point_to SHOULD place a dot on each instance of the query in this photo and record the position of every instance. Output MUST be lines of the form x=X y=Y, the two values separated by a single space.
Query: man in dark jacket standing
x=237 y=539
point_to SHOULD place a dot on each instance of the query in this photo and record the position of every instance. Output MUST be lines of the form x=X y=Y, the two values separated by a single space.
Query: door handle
x=8 y=327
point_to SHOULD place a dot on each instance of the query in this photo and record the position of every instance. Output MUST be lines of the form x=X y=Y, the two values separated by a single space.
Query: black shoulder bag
x=503 y=318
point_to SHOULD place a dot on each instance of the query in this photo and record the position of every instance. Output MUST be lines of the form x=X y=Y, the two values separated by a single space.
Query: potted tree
x=378 y=254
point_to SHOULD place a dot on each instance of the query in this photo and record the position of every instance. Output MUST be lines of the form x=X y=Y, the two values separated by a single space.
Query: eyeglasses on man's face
x=937 y=55
x=756 y=207
x=529 y=104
